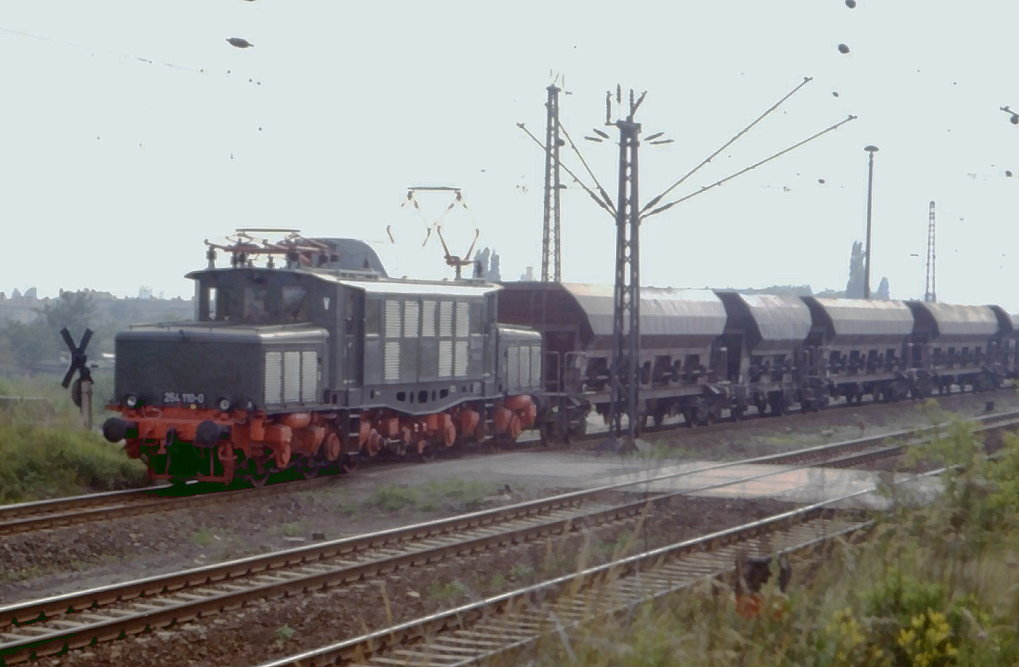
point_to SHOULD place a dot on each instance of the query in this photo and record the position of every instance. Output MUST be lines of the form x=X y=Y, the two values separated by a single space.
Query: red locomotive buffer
x=316 y=362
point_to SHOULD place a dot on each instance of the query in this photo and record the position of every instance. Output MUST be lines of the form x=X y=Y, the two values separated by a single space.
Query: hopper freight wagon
x=706 y=353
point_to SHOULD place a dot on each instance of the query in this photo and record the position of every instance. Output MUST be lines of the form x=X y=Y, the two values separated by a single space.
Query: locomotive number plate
x=177 y=398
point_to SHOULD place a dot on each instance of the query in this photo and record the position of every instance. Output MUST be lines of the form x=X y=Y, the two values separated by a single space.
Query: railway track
x=517 y=620
x=512 y=622
x=73 y=510
x=60 y=512
x=56 y=624
x=753 y=420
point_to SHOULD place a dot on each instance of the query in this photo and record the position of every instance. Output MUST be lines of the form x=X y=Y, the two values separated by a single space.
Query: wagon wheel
x=578 y=429
x=547 y=431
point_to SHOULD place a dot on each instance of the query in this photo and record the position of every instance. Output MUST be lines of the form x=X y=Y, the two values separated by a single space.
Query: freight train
x=316 y=358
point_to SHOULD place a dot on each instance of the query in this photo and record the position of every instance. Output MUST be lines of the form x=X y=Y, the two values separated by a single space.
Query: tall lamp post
x=870 y=188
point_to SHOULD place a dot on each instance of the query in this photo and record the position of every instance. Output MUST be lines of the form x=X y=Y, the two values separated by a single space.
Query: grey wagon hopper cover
x=782 y=320
x=962 y=321
x=663 y=311
x=862 y=319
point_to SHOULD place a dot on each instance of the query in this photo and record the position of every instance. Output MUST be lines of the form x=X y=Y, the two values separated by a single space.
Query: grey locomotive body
x=315 y=361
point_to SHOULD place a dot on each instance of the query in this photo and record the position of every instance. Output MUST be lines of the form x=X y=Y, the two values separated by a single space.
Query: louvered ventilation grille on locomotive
x=428 y=338
x=291 y=377
x=523 y=366
x=391 y=352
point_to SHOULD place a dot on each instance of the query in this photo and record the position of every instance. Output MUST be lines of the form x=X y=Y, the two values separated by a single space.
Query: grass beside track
x=47 y=453
x=60 y=460
x=935 y=586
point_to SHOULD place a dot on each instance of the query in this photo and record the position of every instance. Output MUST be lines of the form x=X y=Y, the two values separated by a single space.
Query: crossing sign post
x=81 y=390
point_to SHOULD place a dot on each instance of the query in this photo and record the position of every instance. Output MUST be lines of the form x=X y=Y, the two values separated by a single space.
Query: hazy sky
x=132 y=131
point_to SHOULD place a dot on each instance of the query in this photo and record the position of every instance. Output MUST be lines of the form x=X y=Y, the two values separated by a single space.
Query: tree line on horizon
x=30 y=327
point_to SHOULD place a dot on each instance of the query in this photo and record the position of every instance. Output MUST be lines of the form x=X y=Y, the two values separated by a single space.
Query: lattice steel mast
x=929 y=295
x=626 y=296
x=551 y=257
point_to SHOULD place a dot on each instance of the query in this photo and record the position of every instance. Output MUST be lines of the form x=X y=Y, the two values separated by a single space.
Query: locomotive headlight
x=131 y=401
x=223 y=403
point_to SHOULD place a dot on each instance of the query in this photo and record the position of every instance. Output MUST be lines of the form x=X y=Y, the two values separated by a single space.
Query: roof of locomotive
x=220 y=332
x=367 y=280
x=326 y=255
x=419 y=287
x=350 y=255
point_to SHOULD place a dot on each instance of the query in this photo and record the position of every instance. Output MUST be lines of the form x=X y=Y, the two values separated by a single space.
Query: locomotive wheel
x=425 y=451
x=257 y=472
x=309 y=468
x=348 y=463
x=332 y=446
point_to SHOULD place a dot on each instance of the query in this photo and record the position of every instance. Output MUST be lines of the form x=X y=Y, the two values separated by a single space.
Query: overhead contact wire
x=753 y=166
x=594 y=196
x=601 y=190
x=655 y=200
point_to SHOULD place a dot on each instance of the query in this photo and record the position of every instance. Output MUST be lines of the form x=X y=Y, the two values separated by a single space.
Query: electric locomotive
x=315 y=362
